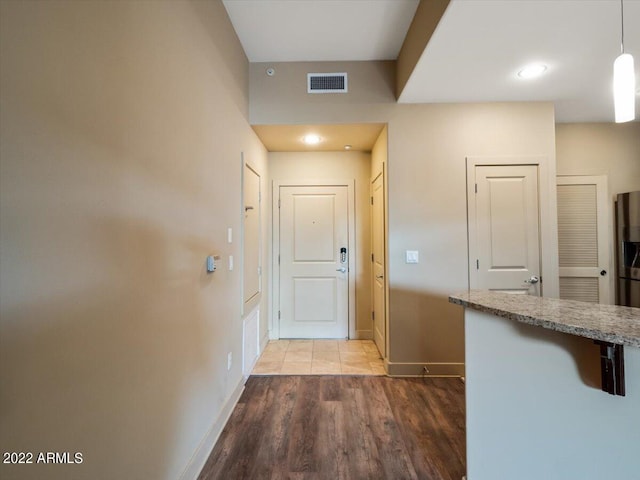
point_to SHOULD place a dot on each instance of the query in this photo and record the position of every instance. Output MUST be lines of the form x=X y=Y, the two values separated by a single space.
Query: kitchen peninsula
x=535 y=404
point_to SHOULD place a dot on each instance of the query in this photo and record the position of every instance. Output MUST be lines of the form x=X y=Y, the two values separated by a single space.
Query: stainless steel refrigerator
x=628 y=248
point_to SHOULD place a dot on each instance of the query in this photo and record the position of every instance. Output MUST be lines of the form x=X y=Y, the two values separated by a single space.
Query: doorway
x=378 y=262
x=504 y=228
x=584 y=245
x=251 y=237
x=314 y=259
x=329 y=164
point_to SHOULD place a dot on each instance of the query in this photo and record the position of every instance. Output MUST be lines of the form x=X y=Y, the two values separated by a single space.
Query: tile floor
x=320 y=357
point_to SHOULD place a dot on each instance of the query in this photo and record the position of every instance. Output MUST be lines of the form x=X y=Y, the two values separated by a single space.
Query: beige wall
x=379 y=153
x=283 y=99
x=121 y=130
x=427 y=147
x=338 y=166
x=423 y=25
x=601 y=149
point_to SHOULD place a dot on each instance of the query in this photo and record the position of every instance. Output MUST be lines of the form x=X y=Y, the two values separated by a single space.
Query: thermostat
x=211 y=263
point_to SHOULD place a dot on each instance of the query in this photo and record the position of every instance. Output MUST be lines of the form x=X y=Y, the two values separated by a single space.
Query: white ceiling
x=474 y=54
x=361 y=137
x=321 y=30
x=480 y=45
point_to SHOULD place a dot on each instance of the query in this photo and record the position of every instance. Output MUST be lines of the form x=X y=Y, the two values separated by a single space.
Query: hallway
x=343 y=427
x=320 y=357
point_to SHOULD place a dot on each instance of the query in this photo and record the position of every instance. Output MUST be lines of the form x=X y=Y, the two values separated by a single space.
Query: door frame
x=251 y=303
x=274 y=331
x=385 y=290
x=547 y=217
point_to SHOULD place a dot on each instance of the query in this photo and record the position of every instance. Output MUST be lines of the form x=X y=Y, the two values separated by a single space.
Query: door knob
x=533 y=280
x=379 y=276
x=341 y=269
x=603 y=272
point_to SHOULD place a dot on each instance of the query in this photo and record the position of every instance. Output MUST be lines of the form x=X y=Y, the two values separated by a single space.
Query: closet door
x=584 y=231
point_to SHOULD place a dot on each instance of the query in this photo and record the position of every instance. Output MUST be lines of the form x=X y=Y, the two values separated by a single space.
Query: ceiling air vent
x=327 y=83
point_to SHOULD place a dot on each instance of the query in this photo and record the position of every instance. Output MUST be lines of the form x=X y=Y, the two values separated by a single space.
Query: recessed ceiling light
x=311 y=139
x=532 y=71
x=347 y=147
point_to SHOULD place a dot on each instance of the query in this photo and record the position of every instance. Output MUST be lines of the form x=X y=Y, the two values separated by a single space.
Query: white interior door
x=378 y=263
x=251 y=235
x=314 y=272
x=507 y=239
x=583 y=239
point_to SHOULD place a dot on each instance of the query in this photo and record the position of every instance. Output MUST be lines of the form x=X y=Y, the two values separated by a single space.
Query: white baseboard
x=401 y=369
x=364 y=335
x=200 y=456
x=250 y=341
x=263 y=342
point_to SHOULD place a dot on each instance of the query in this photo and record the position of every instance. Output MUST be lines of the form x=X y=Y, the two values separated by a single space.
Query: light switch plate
x=412 y=256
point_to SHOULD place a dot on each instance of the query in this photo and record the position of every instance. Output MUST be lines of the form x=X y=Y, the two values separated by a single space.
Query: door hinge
x=278 y=203
x=477 y=264
x=278 y=314
x=278 y=259
x=476 y=188
x=372 y=257
x=371 y=200
x=540 y=280
x=373 y=315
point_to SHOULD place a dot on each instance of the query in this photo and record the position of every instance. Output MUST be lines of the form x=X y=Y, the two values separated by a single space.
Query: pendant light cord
x=622 y=25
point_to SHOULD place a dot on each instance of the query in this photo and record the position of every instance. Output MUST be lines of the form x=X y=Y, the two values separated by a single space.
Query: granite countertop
x=610 y=323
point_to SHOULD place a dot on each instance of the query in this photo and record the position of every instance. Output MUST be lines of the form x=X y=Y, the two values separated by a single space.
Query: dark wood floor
x=342 y=427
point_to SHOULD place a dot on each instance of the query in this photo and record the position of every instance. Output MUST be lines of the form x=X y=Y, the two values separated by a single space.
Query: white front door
x=378 y=263
x=583 y=239
x=314 y=262
x=506 y=223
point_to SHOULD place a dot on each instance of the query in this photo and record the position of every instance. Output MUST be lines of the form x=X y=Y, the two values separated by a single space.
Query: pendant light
x=624 y=81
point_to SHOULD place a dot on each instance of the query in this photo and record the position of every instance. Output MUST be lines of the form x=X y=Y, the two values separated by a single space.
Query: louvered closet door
x=583 y=239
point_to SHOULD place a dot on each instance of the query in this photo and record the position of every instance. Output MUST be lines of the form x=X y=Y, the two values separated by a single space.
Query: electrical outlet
x=229 y=360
